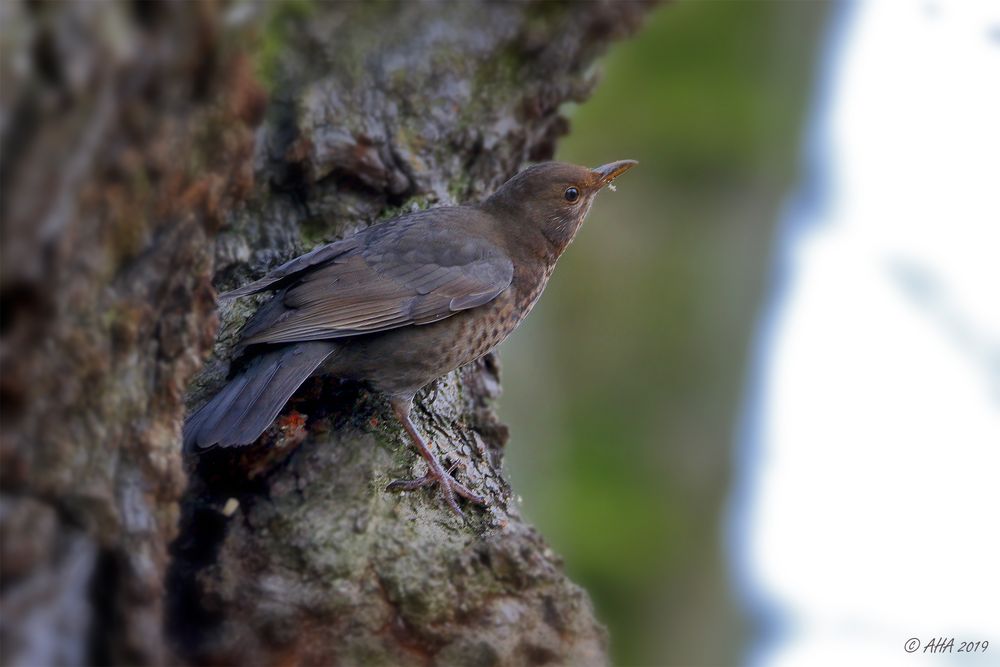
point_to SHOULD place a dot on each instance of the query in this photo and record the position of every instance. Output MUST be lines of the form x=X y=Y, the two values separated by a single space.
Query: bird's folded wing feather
x=406 y=273
x=288 y=270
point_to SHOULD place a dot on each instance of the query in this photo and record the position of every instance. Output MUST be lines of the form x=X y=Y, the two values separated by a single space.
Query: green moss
x=275 y=31
x=495 y=83
x=314 y=231
x=420 y=202
x=459 y=188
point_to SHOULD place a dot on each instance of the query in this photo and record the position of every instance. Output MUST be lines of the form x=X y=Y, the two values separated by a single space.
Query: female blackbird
x=402 y=303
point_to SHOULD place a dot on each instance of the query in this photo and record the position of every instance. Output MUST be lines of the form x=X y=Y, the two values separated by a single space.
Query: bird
x=400 y=304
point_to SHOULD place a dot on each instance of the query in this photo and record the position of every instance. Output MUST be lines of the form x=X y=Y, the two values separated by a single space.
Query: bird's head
x=553 y=197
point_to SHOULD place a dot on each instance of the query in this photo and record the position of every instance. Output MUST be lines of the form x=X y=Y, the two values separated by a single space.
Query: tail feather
x=245 y=407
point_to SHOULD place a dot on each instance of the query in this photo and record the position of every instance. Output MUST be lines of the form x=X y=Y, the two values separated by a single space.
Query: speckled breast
x=401 y=361
x=489 y=325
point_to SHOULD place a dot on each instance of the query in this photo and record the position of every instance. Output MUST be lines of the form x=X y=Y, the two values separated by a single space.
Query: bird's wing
x=289 y=269
x=411 y=271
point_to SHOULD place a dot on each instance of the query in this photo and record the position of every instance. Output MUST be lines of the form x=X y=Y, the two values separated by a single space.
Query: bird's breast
x=490 y=324
x=402 y=360
x=529 y=287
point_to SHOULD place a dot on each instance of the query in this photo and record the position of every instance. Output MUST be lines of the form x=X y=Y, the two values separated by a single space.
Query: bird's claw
x=450 y=487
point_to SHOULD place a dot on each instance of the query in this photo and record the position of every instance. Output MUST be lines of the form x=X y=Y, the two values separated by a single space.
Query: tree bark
x=151 y=150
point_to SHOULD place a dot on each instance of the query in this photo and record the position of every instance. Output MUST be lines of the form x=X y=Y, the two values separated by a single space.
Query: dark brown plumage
x=402 y=303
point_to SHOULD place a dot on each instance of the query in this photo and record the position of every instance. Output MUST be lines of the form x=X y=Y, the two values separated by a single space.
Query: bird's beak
x=609 y=172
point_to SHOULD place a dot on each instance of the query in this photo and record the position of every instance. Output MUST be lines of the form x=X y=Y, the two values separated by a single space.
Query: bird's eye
x=571 y=194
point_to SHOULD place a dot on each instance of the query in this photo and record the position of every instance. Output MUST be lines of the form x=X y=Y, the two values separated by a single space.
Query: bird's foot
x=436 y=474
x=450 y=487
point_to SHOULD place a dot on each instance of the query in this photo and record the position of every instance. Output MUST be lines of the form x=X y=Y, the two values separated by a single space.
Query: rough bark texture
x=149 y=150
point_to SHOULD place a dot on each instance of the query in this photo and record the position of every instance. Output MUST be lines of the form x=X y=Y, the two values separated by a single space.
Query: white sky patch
x=874 y=478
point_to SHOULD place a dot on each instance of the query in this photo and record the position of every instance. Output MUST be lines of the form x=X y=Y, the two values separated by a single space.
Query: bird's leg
x=436 y=474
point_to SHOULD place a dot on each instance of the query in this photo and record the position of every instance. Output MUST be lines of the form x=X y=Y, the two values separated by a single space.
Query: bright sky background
x=870 y=508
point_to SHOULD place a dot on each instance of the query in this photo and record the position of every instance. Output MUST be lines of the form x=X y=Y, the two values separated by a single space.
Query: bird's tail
x=246 y=406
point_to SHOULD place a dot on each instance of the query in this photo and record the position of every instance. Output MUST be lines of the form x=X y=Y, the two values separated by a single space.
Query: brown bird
x=402 y=303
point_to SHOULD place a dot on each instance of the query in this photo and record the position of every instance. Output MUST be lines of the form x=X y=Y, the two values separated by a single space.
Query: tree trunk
x=150 y=150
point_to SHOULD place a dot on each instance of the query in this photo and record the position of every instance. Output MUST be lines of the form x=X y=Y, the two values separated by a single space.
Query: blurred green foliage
x=623 y=388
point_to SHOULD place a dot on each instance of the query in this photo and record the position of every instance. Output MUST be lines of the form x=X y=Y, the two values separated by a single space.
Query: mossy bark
x=153 y=150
